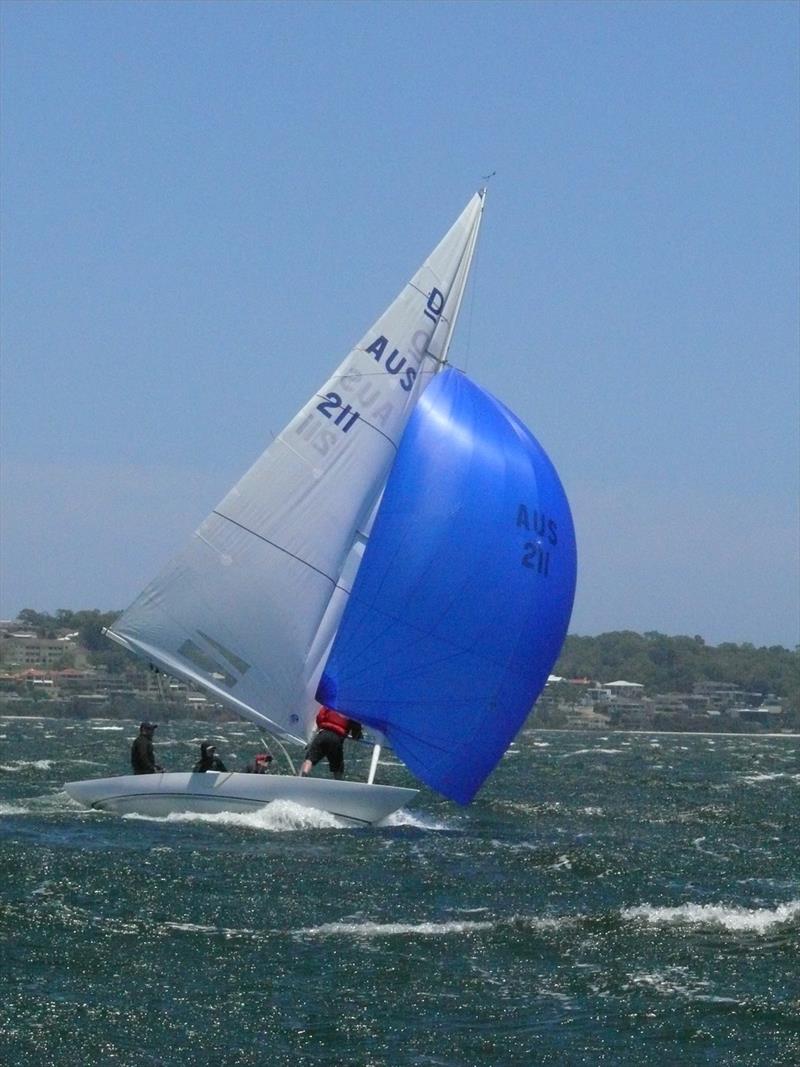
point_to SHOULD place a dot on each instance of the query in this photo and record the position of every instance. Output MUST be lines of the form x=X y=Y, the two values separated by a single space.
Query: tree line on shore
x=674 y=664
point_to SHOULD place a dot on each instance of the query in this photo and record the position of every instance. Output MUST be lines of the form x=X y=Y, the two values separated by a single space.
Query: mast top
x=485 y=179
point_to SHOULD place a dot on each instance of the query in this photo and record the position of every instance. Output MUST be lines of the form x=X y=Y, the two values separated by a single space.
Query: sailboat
x=402 y=552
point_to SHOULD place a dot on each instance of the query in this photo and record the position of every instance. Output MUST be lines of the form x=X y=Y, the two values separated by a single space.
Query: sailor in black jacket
x=209 y=760
x=143 y=759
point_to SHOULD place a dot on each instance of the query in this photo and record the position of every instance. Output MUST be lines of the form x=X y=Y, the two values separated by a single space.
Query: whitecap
x=562 y=863
x=34 y=720
x=408 y=818
x=20 y=765
x=730 y=917
x=200 y=928
x=544 y=807
x=364 y=929
x=373 y=929
x=754 y=779
x=592 y=751
x=674 y=981
x=100 y=729
x=698 y=841
x=279 y=816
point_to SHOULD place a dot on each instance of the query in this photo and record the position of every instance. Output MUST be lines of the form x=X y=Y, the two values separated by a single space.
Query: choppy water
x=607 y=899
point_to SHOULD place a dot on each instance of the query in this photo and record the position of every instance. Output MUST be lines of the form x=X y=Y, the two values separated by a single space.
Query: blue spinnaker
x=463 y=598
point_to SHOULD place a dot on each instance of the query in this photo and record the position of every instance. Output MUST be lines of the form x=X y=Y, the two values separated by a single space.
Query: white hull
x=175 y=792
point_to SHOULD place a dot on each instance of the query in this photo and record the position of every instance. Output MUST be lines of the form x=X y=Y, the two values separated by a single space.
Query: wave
x=677 y=982
x=21 y=764
x=544 y=807
x=413 y=819
x=373 y=929
x=29 y=718
x=279 y=816
x=213 y=931
x=365 y=929
x=755 y=779
x=698 y=844
x=592 y=752
x=46 y=804
x=730 y=917
x=283 y=816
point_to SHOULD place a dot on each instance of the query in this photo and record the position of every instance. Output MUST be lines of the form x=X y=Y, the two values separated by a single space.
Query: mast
x=442 y=361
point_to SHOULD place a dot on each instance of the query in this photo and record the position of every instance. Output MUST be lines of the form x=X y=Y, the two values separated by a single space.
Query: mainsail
x=249 y=608
x=464 y=595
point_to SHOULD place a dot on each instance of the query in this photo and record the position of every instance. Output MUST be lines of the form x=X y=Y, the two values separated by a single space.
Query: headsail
x=463 y=598
x=248 y=609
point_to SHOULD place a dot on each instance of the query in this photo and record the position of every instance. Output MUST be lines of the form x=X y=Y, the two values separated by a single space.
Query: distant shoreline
x=666 y=733
x=532 y=729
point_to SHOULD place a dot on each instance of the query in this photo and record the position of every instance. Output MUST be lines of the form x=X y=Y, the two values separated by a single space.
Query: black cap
x=148 y=725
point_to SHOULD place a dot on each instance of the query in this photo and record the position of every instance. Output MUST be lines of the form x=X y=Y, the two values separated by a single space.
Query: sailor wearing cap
x=259 y=764
x=209 y=760
x=143 y=759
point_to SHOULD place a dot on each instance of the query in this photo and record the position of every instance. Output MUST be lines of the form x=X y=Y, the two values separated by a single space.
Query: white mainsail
x=248 y=609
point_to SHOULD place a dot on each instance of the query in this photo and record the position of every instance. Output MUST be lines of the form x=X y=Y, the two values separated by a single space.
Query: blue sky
x=205 y=205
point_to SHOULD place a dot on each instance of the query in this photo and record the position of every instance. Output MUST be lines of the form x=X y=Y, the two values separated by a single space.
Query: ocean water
x=607 y=899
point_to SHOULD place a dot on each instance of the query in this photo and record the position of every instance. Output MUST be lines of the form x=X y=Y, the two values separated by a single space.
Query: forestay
x=463 y=598
x=248 y=609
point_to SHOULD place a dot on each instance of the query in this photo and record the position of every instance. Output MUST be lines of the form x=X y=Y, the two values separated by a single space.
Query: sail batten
x=178 y=669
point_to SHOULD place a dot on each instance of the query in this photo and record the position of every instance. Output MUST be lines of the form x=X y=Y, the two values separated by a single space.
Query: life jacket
x=328 y=719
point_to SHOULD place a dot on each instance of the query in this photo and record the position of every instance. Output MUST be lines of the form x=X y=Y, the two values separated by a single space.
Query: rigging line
x=469 y=254
x=282 y=747
x=473 y=290
x=379 y=372
x=361 y=417
x=416 y=288
x=272 y=544
x=159 y=681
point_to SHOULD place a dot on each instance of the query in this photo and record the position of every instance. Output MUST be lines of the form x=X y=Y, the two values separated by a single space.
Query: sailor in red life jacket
x=332 y=729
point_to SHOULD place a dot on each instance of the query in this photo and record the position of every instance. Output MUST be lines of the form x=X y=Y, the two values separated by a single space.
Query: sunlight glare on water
x=617 y=899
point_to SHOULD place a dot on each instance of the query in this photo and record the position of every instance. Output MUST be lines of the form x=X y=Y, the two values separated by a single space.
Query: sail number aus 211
x=535 y=556
x=343 y=417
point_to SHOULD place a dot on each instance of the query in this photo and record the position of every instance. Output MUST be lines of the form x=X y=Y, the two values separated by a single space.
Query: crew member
x=260 y=764
x=209 y=760
x=332 y=729
x=143 y=758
